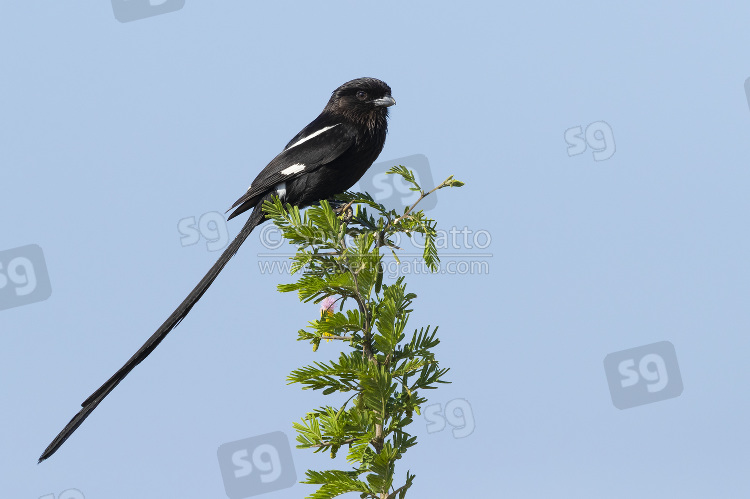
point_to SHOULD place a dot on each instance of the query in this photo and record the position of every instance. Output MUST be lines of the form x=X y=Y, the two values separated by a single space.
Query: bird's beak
x=385 y=101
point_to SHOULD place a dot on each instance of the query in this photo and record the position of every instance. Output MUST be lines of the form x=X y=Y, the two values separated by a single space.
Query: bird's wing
x=303 y=154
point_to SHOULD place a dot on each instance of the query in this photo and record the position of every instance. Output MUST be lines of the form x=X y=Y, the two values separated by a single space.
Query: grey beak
x=385 y=101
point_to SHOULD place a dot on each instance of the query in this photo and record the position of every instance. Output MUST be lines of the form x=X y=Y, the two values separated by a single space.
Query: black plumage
x=333 y=151
x=324 y=159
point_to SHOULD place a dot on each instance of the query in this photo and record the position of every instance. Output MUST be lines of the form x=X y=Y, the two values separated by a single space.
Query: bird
x=326 y=158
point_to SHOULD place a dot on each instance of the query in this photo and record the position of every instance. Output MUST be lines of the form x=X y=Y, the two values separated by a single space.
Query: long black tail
x=256 y=218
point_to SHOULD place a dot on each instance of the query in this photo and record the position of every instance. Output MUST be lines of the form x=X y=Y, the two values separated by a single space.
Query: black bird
x=325 y=159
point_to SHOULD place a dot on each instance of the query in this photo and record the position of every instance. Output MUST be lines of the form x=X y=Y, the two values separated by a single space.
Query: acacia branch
x=333 y=337
x=329 y=443
x=422 y=195
x=392 y=495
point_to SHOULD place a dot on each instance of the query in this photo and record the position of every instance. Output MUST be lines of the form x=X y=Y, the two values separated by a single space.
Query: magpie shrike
x=325 y=159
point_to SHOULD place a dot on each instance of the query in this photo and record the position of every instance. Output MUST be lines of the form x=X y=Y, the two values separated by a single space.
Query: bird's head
x=363 y=99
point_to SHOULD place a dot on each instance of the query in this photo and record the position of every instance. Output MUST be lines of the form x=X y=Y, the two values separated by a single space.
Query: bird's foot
x=342 y=209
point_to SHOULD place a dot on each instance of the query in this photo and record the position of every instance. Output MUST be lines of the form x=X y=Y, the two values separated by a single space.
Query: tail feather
x=244 y=203
x=255 y=219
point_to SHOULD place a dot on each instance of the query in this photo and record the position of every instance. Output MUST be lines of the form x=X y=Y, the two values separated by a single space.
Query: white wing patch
x=311 y=136
x=295 y=168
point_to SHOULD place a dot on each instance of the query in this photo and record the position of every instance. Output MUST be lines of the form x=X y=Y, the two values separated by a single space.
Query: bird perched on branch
x=325 y=159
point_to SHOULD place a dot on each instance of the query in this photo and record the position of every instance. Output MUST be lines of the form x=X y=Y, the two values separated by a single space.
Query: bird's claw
x=342 y=209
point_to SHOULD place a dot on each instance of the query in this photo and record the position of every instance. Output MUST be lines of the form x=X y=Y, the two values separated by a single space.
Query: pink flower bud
x=326 y=306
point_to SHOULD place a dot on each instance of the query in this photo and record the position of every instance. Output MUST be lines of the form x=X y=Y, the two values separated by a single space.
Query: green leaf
x=335 y=483
x=407 y=175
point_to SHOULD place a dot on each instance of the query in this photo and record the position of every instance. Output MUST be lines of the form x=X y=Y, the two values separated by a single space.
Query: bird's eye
x=361 y=95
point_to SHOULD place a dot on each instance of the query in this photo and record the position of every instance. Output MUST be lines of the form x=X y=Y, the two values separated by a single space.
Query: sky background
x=113 y=132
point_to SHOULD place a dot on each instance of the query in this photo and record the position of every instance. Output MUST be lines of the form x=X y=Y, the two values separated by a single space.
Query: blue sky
x=112 y=132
